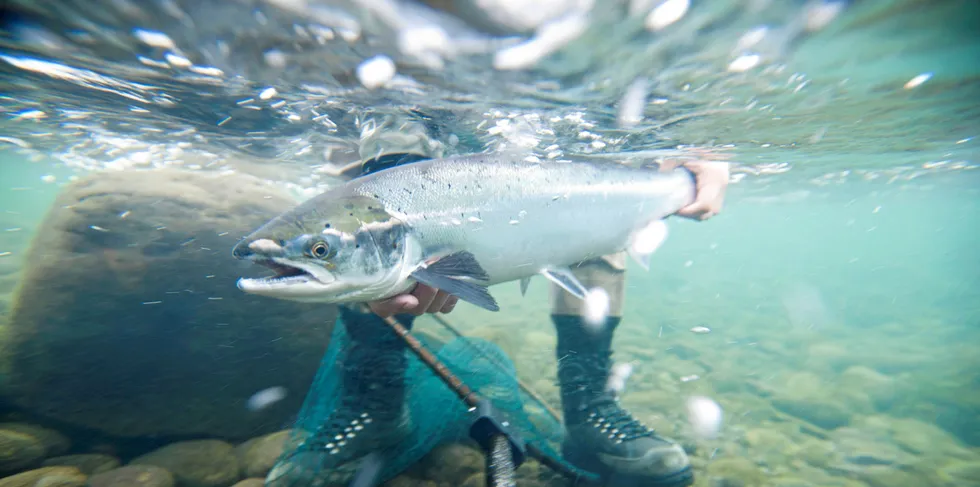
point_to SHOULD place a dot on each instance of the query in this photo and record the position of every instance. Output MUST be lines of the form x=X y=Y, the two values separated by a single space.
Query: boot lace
x=617 y=422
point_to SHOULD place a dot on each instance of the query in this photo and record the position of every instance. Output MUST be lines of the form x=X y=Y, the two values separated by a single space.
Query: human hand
x=711 y=180
x=423 y=299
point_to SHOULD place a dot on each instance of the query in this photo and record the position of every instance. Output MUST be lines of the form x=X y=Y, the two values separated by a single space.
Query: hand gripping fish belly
x=462 y=224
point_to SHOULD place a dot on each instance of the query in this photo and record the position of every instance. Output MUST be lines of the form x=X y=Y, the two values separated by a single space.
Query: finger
x=425 y=295
x=389 y=307
x=668 y=165
x=450 y=305
x=693 y=211
x=440 y=300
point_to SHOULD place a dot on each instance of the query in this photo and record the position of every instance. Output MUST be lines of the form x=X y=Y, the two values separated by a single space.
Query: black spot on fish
x=326 y=225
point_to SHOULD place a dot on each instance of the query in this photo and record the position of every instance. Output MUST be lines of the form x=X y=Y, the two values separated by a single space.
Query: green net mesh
x=438 y=415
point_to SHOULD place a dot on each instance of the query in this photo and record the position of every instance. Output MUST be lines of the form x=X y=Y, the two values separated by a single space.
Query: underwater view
x=465 y=243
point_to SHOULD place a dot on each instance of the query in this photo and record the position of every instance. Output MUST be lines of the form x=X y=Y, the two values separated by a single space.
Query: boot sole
x=682 y=478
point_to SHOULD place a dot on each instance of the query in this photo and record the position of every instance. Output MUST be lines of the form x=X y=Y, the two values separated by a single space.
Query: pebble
x=700 y=330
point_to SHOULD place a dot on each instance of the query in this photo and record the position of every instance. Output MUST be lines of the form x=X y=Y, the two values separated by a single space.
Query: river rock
x=821 y=413
x=133 y=476
x=53 y=442
x=46 y=477
x=88 y=463
x=478 y=479
x=250 y=483
x=128 y=320
x=880 y=388
x=197 y=463
x=18 y=451
x=961 y=473
x=806 y=396
x=258 y=455
x=926 y=439
x=735 y=472
x=453 y=463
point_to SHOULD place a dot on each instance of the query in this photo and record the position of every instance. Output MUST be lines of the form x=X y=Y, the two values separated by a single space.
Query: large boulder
x=128 y=320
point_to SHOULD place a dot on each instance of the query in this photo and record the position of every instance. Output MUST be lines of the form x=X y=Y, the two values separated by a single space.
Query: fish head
x=328 y=250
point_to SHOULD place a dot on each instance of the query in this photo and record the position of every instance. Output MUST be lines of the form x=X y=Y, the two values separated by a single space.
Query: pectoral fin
x=525 y=282
x=459 y=264
x=445 y=274
x=563 y=277
x=645 y=241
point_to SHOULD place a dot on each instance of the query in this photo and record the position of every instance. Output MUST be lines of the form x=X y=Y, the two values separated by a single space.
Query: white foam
x=376 y=72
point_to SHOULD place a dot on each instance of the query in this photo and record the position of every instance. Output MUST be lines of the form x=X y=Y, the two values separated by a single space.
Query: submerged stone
x=961 y=472
x=128 y=321
x=89 y=464
x=18 y=451
x=824 y=414
x=199 y=463
x=453 y=463
x=53 y=442
x=133 y=476
x=258 y=455
x=46 y=477
x=880 y=388
x=733 y=471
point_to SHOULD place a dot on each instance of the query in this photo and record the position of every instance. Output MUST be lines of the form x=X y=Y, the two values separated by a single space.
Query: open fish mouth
x=286 y=274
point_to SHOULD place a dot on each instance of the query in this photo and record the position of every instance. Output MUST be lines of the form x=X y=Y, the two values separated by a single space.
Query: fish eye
x=319 y=250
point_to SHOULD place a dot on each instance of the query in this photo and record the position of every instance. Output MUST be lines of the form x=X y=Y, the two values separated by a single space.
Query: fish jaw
x=294 y=281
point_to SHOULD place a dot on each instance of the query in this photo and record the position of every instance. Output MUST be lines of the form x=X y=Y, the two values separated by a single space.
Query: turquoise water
x=839 y=284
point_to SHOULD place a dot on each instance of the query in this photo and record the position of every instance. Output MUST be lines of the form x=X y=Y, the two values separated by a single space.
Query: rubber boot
x=602 y=437
x=372 y=414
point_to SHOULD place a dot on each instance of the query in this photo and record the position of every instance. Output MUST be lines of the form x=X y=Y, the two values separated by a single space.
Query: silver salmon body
x=460 y=224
